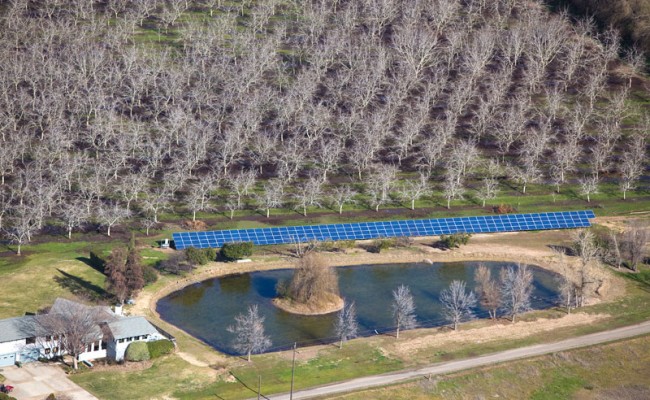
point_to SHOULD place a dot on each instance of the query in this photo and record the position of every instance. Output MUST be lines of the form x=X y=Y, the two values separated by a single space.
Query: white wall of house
x=95 y=350
x=119 y=347
x=12 y=347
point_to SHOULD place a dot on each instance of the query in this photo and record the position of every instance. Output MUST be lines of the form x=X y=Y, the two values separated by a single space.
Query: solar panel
x=381 y=229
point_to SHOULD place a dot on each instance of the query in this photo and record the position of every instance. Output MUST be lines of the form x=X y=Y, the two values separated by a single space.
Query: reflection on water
x=206 y=309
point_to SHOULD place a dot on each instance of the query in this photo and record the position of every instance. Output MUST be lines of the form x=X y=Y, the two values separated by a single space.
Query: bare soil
x=332 y=304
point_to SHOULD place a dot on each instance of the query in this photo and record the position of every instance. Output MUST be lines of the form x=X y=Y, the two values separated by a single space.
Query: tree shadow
x=79 y=286
x=566 y=250
x=94 y=261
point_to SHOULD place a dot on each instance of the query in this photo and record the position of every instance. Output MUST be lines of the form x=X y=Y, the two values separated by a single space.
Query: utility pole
x=293 y=370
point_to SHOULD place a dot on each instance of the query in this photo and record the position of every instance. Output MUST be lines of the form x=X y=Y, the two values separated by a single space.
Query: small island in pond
x=313 y=289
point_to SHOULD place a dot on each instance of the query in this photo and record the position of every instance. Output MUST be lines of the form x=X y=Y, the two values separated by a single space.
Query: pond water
x=206 y=309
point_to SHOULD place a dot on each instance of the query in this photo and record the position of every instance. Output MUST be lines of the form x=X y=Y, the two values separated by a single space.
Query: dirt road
x=453 y=366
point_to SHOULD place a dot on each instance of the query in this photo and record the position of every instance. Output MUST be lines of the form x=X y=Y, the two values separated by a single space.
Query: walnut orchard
x=207 y=308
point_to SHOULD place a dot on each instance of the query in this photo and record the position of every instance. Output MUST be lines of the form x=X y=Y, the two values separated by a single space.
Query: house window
x=47 y=351
x=120 y=340
x=30 y=340
x=56 y=349
x=48 y=338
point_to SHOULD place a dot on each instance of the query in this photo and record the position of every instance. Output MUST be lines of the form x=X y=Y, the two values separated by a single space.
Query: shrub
x=4 y=396
x=454 y=240
x=159 y=348
x=149 y=274
x=404 y=241
x=504 y=209
x=176 y=264
x=380 y=245
x=210 y=254
x=137 y=351
x=196 y=256
x=236 y=250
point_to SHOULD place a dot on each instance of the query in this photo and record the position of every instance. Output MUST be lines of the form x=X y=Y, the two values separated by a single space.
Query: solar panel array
x=386 y=229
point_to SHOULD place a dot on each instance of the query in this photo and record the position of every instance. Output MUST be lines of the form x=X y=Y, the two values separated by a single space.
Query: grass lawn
x=47 y=271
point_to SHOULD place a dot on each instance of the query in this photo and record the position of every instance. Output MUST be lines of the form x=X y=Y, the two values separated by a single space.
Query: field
x=612 y=371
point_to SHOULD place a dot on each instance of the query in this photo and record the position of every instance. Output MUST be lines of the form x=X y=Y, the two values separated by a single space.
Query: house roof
x=17 y=328
x=120 y=327
x=63 y=306
x=130 y=327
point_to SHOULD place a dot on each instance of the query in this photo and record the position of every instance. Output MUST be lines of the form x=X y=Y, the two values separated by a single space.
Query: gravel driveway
x=34 y=381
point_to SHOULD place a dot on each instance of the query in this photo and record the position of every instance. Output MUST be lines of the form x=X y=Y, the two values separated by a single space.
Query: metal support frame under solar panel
x=387 y=229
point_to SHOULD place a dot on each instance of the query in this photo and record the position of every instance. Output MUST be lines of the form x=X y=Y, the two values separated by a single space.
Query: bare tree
x=489 y=189
x=567 y=286
x=488 y=290
x=249 y=333
x=341 y=195
x=241 y=183
x=73 y=214
x=585 y=279
x=633 y=244
x=413 y=190
x=516 y=288
x=21 y=226
x=75 y=326
x=314 y=281
x=308 y=194
x=272 y=195
x=588 y=186
x=453 y=186
x=457 y=303
x=157 y=200
x=632 y=165
x=111 y=215
x=403 y=309
x=346 y=323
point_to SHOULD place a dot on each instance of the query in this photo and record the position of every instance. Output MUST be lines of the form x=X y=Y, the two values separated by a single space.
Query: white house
x=21 y=341
x=16 y=344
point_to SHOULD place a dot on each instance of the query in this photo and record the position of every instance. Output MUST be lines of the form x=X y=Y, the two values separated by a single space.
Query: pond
x=207 y=308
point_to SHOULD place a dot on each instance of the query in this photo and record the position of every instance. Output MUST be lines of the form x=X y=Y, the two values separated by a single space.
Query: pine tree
x=133 y=269
x=115 y=270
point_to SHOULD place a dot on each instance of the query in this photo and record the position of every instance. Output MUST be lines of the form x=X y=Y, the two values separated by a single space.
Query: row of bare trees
x=98 y=123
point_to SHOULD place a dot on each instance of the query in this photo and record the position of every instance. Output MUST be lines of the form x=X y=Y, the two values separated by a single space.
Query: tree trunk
x=249 y=356
x=341 y=209
x=397 y=334
x=69 y=232
x=268 y=212
x=232 y=214
x=108 y=231
x=448 y=204
x=194 y=215
x=75 y=362
x=412 y=204
x=341 y=344
x=377 y=208
x=624 y=194
x=588 y=199
x=18 y=250
x=304 y=211
x=483 y=202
